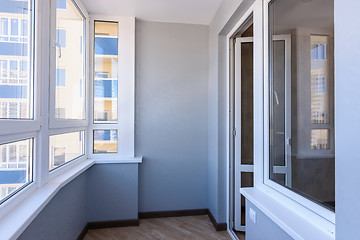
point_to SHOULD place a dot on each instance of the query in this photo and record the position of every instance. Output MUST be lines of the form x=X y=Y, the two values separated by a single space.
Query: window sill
x=17 y=220
x=287 y=219
x=119 y=160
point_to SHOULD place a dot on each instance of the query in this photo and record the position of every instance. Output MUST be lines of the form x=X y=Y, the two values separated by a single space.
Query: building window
x=61 y=37
x=60 y=77
x=301 y=103
x=61 y=4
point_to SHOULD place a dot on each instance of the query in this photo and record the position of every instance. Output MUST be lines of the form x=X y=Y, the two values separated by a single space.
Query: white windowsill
x=119 y=160
x=17 y=220
x=293 y=224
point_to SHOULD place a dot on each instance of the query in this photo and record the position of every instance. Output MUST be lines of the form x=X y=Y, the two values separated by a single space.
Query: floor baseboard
x=83 y=232
x=176 y=213
x=113 y=224
x=217 y=226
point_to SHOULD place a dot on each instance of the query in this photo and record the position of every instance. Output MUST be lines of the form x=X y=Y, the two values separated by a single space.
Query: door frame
x=255 y=10
x=239 y=168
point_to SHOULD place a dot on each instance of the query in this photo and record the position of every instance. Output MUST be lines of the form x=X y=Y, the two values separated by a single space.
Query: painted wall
x=64 y=217
x=171 y=115
x=347 y=117
x=264 y=228
x=112 y=192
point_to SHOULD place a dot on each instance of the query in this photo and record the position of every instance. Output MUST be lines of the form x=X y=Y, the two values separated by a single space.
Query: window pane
x=301 y=97
x=65 y=147
x=106 y=72
x=105 y=141
x=70 y=97
x=16 y=84
x=15 y=166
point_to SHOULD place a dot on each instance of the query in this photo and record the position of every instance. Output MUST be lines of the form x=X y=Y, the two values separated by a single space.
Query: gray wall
x=112 y=192
x=264 y=229
x=347 y=118
x=171 y=115
x=64 y=217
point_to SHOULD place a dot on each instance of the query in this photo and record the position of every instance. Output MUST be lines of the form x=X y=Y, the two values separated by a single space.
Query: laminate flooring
x=174 y=228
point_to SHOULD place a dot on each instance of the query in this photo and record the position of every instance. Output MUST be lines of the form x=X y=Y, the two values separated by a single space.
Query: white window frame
x=125 y=125
x=67 y=123
x=311 y=210
x=14 y=130
x=315 y=214
x=63 y=126
x=11 y=126
x=17 y=212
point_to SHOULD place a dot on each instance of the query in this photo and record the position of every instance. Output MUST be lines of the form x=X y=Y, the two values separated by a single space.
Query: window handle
x=56 y=44
x=276 y=98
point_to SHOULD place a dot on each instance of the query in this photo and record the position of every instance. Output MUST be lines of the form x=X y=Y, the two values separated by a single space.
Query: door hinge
x=234 y=132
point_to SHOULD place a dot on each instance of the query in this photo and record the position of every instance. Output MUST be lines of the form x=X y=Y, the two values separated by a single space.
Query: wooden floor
x=175 y=228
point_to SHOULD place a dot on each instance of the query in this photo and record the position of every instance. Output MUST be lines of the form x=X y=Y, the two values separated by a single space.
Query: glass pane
x=301 y=98
x=70 y=62
x=15 y=166
x=105 y=141
x=106 y=72
x=16 y=84
x=319 y=79
x=320 y=139
x=247 y=179
x=247 y=102
x=65 y=147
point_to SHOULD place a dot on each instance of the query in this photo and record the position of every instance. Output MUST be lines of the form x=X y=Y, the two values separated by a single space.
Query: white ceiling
x=179 y=11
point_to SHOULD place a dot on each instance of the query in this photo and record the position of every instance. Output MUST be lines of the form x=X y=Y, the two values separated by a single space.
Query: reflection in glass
x=319 y=79
x=106 y=72
x=105 y=141
x=65 y=147
x=320 y=139
x=70 y=62
x=301 y=98
x=16 y=84
x=15 y=166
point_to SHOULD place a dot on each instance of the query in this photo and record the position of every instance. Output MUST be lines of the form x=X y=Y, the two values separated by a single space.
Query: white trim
x=286 y=169
x=237 y=138
x=239 y=168
x=288 y=220
x=125 y=124
x=117 y=161
x=16 y=221
x=68 y=166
